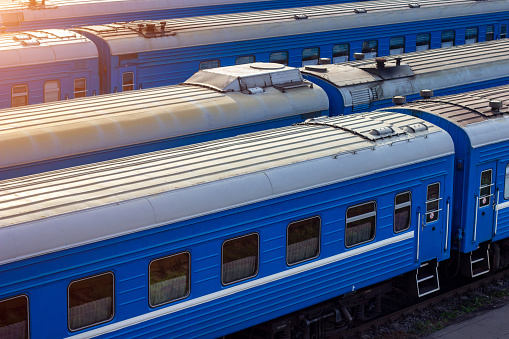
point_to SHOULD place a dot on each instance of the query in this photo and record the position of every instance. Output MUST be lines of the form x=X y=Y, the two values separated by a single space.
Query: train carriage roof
x=103 y=200
x=143 y=36
x=44 y=47
x=482 y=114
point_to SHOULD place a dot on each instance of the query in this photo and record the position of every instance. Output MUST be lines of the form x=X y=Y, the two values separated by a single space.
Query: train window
x=503 y=31
x=506 y=183
x=490 y=32
x=370 y=48
x=432 y=202
x=19 y=95
x=471 y=35
x=310 y=56
x=423 y=42
x=485 y=188
x=360 y=224
x=302 y=240
x=402 y=211
x=279 y=58
x=209 y=64
x=245 y=60
x=127 y=81
x=80 y=87
x=14 y=317
x=51 y=91
x=397 y=45
x=90 y=301
x=340 y=53
x=447 y=38
x=169 y=279
x=239 y=259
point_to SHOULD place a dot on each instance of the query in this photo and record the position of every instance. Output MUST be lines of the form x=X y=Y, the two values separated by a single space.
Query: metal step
x=427 y=279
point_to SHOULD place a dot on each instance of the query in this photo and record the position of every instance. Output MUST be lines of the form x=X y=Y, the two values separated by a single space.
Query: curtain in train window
x=447 y=38
x=340 y=53
x=302 y=240
x=370 y=48
x=169 y=279
x=209 y=64
x=485 y=189
x=80 y=88
x=51 y=91
x=245 y=60
x=503 y=31
x=490 y=32
x=506 y=183
x=127 y=81
x=402 y=210
x=310 y=56
x=397 y=45
x=14 y=318
x=471 y=35
x=239 y=259
x=360 y=224
x=90 y=301
x=19 y=95
x=432 y=202
x=423 y=42
x=279 y=58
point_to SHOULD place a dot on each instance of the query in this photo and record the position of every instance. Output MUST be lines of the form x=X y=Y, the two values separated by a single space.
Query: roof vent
x=398 y=100
x=31 y=42
x=151 y=27
x=382 y=131
x=163 y=25
x=324 y=61
x=300 y=16
x=380 y=62
x=20 y=37
x=255 y=90
x=415 y=128
x=495 y=105
x=398 y=61
x=358 y=56
x=360 y=10
x=414 y=5
x=426 y=93
x=140 y=27
x=316 y=68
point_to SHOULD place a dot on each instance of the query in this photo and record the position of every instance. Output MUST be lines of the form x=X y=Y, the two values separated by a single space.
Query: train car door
x=501 y=201
x=484 y=199
x=432 y=219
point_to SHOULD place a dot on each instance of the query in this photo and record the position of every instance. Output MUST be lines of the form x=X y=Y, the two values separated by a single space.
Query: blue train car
x=478 y=122
x=212 y=104
x=208 y=239
x=44 y=66
x=154 y=53
x=39 y=14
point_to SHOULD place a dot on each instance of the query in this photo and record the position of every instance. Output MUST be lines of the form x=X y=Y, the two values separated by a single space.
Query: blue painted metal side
x=45 y=279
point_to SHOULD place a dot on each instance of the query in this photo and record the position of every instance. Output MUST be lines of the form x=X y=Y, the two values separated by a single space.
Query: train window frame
x=124 y=84
x=84 y=92
x=366 y=45
x=240 y=60
x=400 y=49
x=215 y=61
x=286 y=60
x=484 y=188
x=430 y=213
x=45 y=91
x=419 y=40
x=188 y=283
x=453 y=40
x=360 y=217
x=112 y=301
x=490 y=32
x=343 y=56
x=401 y=206
x=305 y=61
x=24 y=94
x=506 y=183
x=293 y=223
x=257 y=269
x=471 y=39
x=27 y=334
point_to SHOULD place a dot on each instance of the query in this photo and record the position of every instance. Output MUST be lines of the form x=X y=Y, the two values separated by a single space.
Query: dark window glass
x=303 y=240
x=14 y=318
x=19 y=95
x=80 y=88
x=310 y=56
x=397 y=45
x=127 y=81
x=279 y=57
x=370 y=48
x=503 y=31
x=471 y=35
x=448 y=38
x=209 y=64
x=490 y=32
x=239 y=258
x=402 y=210
x=245 y=60
x=432 y=202
x=485 y=189
x=127 y=57
x=340 y=53
x=360 y=224
x=423 y=42
x=90 y=301
x=169 y=279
